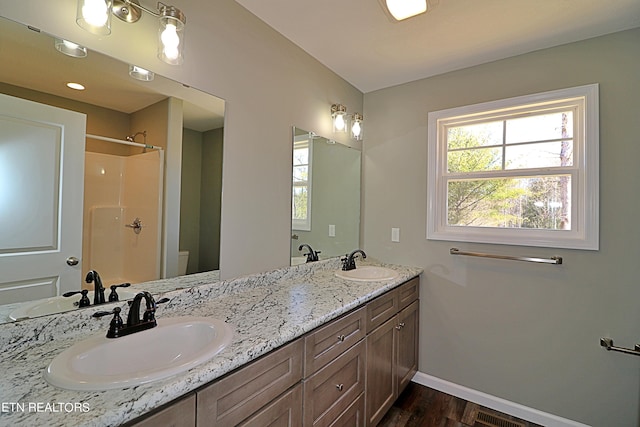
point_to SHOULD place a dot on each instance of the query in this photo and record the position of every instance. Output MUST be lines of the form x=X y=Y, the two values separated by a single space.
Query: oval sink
x=174 y=346
x=368 y=273
x=59 y=304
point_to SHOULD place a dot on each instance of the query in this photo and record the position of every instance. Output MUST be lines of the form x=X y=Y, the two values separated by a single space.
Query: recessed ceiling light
x=76 y=86
x=403 y=9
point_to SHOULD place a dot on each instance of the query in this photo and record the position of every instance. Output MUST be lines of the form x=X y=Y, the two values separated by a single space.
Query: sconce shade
x=94 y=16
x=70 y=48
x=141 y=74
x=403 y=9
x=356 y=126
x=171 y=35
x=339 y=115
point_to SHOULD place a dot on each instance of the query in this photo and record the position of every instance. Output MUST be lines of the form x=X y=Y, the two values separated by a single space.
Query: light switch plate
x=332 y=230
x=395 y=234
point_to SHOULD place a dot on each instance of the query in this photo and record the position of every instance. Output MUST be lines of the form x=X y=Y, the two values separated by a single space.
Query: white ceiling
x=357 y=40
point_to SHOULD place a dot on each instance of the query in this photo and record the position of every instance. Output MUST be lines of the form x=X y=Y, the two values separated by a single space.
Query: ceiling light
x=141 y=74
x=95 y=17
x=339 y=115
x=70 y=48
x=75 y=86
x=403 y=9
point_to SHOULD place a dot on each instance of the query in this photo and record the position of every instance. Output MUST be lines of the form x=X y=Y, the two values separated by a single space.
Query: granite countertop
x=265 y=311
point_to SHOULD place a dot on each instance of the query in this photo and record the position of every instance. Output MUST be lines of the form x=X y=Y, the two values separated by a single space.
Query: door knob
x=72 y=261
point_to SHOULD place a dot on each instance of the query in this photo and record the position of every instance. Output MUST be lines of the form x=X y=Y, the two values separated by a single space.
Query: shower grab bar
x=608 y=344
x=553 y=260
x=122 y=141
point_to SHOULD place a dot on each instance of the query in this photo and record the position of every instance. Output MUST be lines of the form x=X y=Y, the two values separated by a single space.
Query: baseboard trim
x=496 y=403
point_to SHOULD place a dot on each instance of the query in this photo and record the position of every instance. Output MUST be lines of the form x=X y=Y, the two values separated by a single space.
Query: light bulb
x=339 y=121
x=170 y=41
x=355 y=129
x=95 y=12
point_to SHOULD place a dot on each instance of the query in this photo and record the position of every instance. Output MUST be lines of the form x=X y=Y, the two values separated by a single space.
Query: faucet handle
x=113 y=296
x=84 y=301
x=116 y=323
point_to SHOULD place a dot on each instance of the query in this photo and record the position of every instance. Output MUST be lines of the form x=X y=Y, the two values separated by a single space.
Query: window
x=519 y=171
x=301 y=200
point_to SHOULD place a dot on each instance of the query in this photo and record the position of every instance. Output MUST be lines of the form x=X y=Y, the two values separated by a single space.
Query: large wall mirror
x=129 y=220
x=325 y=196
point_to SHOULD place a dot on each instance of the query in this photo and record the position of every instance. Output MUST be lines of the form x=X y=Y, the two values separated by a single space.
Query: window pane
x=478 y=135
x=540 y=128
x=544 y=154
x=299 y=205
x=532 y=202
x=300 y=173
x=301 y=156
x=474 y=160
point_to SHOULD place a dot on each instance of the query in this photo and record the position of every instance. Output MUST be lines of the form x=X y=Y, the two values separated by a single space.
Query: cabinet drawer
x=331 y=390
x=381 y=309
x=328 y=342
x=408 y=293
x=232 y=399
x=179 y=414
x=285 y=411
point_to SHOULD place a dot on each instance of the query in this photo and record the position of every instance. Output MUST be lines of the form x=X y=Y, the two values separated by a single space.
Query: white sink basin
x=176 y=345
x=368 y=273
x=60 y=304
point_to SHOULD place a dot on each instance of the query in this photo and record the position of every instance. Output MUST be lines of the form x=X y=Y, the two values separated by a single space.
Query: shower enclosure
x=123 y=216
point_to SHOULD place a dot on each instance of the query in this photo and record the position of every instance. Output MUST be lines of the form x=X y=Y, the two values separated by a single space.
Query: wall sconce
x=95 y=17
x=338 y=116
x=356 y=126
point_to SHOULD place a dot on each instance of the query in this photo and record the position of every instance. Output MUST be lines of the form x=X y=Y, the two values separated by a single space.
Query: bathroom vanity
x=305 y=345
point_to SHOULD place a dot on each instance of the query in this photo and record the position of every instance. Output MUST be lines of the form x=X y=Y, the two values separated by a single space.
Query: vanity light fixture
x=95 y=17
x=403 y=9
x=339 y=116
x=70 y=48
x=356 y=126
x=140 y=73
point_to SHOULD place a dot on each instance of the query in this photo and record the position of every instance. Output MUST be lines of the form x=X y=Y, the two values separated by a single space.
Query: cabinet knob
x=341 y=338
x=340 y=386
x=400 y=326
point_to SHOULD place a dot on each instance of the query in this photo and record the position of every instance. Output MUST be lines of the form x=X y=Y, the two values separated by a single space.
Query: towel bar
x=553 y=260
x=608 y=344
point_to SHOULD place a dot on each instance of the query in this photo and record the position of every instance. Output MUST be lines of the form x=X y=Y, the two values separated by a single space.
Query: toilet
x=183 y=260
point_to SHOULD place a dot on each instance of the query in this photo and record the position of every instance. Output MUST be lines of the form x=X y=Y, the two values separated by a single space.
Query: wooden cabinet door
x=285 y=411
x=407 y=345
x=381 y=371
x=179 y=414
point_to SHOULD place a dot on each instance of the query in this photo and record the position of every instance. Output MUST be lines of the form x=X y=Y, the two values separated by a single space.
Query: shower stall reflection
x=123 y=216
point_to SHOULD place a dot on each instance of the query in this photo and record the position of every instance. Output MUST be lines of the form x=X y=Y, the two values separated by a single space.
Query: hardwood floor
x=420 y=406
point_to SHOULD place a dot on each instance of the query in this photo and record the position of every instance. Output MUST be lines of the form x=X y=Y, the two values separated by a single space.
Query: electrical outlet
x=395 y=234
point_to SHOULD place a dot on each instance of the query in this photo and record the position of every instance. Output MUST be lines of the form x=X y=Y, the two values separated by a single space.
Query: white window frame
x=297 y=224
x=584 y=233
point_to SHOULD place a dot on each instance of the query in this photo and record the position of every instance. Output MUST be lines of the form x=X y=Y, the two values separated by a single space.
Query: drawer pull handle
x=341 y=338
x=400 y=326
x=340 y=386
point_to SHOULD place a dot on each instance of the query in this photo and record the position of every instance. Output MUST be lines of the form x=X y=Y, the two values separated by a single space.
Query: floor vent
x=491 y=420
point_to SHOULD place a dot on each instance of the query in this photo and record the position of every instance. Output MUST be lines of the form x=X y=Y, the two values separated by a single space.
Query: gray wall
x=528 y=333
x=190 y=196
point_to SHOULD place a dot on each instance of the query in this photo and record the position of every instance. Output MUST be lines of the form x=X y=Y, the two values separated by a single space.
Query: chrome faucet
x=98 y=289
x=349 y=262
x=312 y=255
